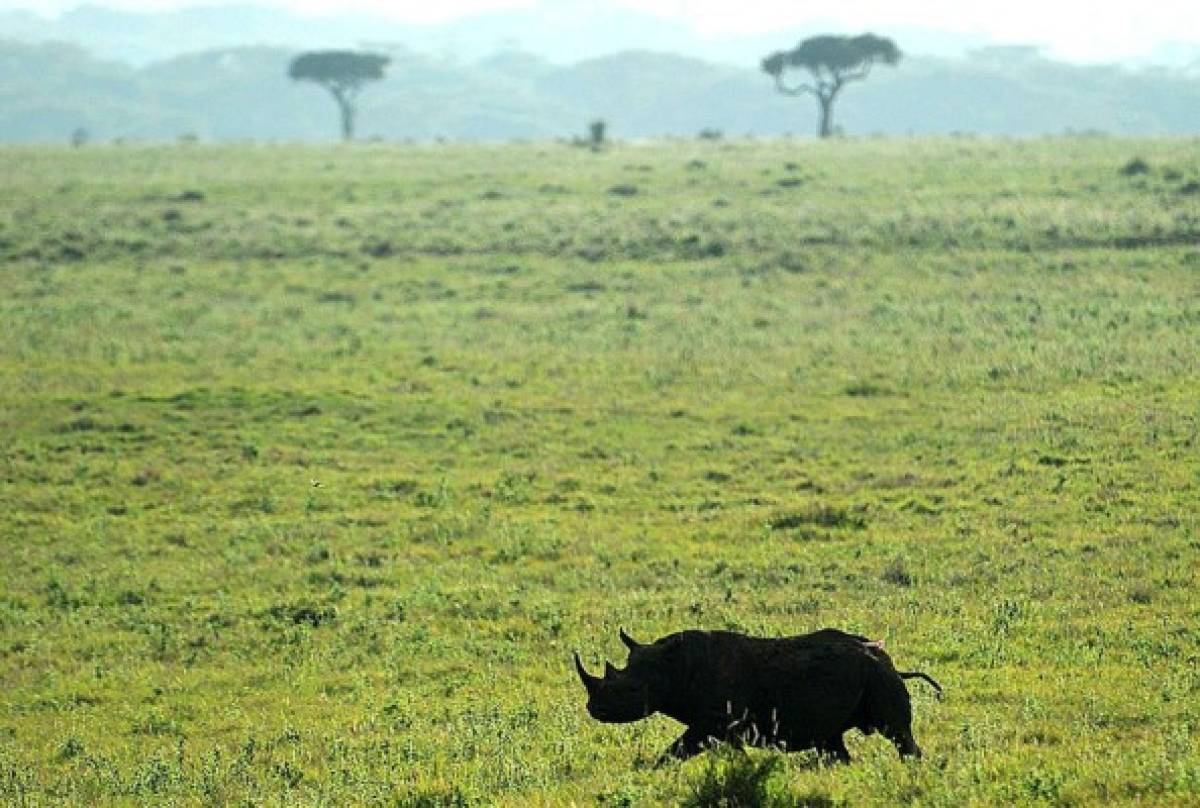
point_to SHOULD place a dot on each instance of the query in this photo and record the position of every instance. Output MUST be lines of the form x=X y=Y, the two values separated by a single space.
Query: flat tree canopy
x=348 y=68
x=845 y=55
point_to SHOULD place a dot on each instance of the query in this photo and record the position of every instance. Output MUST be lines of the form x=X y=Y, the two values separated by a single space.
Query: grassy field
x=318 y=463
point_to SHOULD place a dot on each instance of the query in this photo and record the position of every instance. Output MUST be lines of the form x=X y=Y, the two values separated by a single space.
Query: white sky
x=1085 y=30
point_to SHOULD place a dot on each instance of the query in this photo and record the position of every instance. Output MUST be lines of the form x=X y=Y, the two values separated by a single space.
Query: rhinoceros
x=793 y=693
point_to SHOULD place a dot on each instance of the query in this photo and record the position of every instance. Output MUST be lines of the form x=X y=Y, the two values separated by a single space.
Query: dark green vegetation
x=317 y=463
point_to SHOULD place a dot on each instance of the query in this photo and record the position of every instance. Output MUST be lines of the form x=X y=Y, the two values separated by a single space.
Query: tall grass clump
x=736 y=778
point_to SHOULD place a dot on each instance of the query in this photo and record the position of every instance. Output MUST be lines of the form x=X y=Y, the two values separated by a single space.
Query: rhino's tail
x=922 y=675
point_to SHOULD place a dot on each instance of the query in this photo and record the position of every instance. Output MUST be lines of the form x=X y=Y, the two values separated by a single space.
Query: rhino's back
x=791 y=681
x=737 y=659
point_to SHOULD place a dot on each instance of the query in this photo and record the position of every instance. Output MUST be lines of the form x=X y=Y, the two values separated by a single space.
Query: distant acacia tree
x=343 y=73
x=831 y=61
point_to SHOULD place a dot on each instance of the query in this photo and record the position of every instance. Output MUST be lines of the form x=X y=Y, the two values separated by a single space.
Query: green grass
x=318 y=463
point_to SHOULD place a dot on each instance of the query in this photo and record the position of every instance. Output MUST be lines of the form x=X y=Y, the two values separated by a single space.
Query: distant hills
x=560 y=31
x=220 y=74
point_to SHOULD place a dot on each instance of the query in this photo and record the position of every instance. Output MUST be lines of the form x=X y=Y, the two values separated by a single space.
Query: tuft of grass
x=865 y=389
x=896 y=572
x=434 y=797
x=735 y=778
x=820 y=515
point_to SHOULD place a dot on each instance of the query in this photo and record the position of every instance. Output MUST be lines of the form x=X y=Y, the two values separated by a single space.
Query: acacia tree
x=343 y=73
x=832 y=61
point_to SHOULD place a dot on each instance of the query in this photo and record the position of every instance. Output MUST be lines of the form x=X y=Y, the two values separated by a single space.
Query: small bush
x=1134 y=167
x=70 y=749
x=625 y=796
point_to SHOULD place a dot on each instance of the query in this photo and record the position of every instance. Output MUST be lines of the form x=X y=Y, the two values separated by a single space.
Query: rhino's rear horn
x=630 y=642
x=589 y=682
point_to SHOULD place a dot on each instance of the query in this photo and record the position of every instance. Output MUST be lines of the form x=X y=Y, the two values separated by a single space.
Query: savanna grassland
x=317 y=463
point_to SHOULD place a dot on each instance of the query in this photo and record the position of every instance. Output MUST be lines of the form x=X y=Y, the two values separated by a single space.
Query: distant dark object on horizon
x=833 y=61
x=792 y=693
x=343 y=73
x=596 y=131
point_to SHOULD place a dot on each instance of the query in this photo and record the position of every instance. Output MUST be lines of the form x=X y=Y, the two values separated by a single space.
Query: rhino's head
x=638 y=690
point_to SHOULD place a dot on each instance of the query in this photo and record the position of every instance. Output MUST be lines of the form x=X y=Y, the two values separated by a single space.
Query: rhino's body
x=799 y=692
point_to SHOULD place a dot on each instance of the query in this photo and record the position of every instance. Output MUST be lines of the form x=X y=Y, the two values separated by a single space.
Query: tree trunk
x=346 y=108
x=347 y=120
x=825 y=124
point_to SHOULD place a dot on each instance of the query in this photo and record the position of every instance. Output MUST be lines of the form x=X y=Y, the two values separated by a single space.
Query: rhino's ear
x=630 y=642
x=673 y=648
x=589 y=682
x=610 y=670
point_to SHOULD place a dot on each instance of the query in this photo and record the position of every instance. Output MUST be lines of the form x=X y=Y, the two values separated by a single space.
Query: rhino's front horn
x=630 y=642
x=589 y=682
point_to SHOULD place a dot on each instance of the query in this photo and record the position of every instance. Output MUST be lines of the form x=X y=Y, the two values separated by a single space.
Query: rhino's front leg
x=691 y=743
x=833 y=750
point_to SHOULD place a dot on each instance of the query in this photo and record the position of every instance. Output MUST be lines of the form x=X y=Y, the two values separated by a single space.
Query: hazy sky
x=1083 y=30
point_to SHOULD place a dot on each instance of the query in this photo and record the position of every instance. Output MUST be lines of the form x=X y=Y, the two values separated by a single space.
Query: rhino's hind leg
x=833 y=750
x=689 y=744
x=891 y=712
x=906 y=745
x=897 y=728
